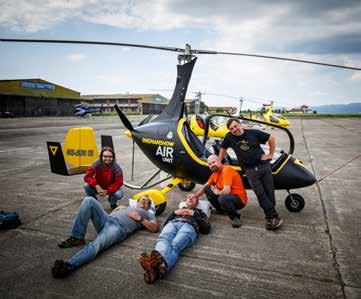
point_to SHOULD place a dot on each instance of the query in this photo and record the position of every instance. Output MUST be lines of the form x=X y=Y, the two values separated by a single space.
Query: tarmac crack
x=328 y=231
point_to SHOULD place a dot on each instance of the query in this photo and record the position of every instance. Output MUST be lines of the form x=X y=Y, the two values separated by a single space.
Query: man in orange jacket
x=105 y=177
x=224 y=190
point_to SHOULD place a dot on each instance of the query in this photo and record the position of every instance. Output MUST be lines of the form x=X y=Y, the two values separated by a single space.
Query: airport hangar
x=38 y=97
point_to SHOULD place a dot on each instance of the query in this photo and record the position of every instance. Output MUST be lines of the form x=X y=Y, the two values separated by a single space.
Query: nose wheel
x=294 y=202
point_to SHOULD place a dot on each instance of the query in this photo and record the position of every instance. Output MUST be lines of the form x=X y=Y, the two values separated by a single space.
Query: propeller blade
x=124 y=119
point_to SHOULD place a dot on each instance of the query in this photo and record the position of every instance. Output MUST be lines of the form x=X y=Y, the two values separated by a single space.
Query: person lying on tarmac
x=179 y=232
x=105 y=178
x=224 y=190
x=111 y=229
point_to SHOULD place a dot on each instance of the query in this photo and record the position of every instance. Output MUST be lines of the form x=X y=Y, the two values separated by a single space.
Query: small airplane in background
x=84 y=110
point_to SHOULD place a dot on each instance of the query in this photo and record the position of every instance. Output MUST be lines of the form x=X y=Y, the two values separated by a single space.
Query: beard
x=214 y=168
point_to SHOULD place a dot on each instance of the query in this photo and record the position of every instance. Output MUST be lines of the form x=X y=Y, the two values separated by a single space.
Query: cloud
x=75 y=57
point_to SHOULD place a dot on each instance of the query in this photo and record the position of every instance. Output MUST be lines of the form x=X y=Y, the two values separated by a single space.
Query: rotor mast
x=187 y=55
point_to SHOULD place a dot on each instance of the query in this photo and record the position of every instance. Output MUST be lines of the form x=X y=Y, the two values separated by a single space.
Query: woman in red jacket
x=105 y=177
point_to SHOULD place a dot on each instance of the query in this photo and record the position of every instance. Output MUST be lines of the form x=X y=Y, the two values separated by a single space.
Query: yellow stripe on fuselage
x=204 y=163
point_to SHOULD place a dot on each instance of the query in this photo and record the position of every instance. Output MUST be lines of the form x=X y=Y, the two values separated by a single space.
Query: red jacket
x=109 y=178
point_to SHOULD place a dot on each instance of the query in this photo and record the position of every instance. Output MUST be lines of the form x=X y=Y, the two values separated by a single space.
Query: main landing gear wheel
x=294 y=202
x=186 y=186
x=160 y=209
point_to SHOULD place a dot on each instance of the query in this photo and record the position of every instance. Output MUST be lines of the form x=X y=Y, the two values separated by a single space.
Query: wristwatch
x=141 y=219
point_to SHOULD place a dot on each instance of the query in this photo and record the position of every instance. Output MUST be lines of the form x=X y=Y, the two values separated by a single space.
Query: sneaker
x=276 y=222
x=268 y=223
x=236 y=222
x=61 y=269
x=71 y=242
x=150 y=267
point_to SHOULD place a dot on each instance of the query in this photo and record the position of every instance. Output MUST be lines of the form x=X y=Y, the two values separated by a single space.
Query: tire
x=186 y=186
x=160 y=209
x=294 y=202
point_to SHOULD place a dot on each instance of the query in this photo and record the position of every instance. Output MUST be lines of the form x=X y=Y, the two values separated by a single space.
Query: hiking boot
x=268 y=223
x=71 y=242
x=61 y=269
x=276 y=222
x=236 y=222
x=160 y=262
x=150 y=267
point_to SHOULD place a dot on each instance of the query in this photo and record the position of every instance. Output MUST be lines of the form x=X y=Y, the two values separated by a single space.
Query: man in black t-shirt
x=256 y=165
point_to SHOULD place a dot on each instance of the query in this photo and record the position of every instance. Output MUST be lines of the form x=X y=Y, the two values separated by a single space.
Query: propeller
x=124 y=119
x=186 y=53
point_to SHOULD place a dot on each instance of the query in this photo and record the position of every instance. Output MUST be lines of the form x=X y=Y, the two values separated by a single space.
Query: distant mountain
x=338 y=108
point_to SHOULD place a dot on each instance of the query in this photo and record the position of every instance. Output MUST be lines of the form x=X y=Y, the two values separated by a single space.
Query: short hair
x=106 y=149
x=146 y=199
x=231 y=120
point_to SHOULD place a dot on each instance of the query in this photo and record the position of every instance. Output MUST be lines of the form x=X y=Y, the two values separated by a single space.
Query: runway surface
x=315 y=254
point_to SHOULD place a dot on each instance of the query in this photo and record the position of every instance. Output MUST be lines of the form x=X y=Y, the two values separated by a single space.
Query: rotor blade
x=277 y=58
x=124 y=119
x=53 y=41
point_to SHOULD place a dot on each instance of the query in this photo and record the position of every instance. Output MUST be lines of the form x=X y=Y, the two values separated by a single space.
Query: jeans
x=261 y=180
x=109 y=231
x=175 y=237
x=229 y=203
x=112 y=198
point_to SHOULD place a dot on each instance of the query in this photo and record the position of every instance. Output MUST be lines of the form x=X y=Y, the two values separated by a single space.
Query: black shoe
x=113 y=206
x=276 y=222
x=219 y=212
x=71 y=242
x=61 y=269
x=268 y=223
x=236 y=222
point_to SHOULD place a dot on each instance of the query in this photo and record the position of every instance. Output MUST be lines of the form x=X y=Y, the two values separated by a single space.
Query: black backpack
x=9 y=220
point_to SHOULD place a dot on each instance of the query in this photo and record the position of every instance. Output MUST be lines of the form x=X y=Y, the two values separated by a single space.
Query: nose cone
x=293 y=175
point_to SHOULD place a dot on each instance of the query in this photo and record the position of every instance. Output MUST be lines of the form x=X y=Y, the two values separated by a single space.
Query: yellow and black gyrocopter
x=173 y=147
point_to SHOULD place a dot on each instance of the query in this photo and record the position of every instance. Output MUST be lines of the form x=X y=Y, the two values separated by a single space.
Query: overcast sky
x=326 y=31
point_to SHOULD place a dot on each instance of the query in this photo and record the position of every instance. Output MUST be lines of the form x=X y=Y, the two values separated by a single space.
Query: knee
x=88 y=201
x=119 y=194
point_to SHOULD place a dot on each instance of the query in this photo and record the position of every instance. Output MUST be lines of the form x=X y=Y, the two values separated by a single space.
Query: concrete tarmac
x=315 y=254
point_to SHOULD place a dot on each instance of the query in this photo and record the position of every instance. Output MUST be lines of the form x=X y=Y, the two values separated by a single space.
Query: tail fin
x=107 y=141
x=56 y=158
x=78 y=153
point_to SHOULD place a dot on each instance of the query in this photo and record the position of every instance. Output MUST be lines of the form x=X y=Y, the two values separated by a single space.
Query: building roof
x=142 y=98
x=36 y=87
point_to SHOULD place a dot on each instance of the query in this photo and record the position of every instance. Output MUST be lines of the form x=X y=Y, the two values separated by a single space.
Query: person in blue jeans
x=179 y=232
x=111 y=229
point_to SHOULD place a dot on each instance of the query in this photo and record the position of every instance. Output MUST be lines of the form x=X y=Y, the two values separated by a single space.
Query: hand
x=184 y=212
x=215 y=190
x=266 y=157
x=134 y=215
x=101 y=191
